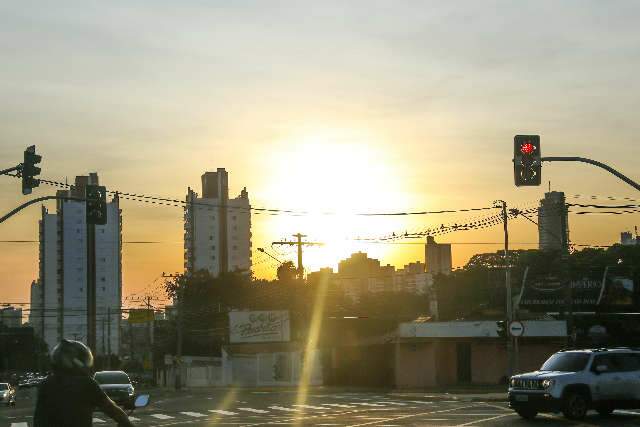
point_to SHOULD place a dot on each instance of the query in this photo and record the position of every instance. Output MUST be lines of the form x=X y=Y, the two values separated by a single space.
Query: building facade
x=59 y=297
x=553 y=222
x=437 y=257
x=11 y=317
x=217 y=230
x=628 y=239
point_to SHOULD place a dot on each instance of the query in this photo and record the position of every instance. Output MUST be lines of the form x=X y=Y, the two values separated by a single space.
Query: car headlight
x=130 y=390
x=512 y=383
x=547 y=384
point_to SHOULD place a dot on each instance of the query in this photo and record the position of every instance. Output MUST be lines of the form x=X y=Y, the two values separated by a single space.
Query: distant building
x=360 y=274
x=413 y=278
x=628 y=239
x=217 y=230
x=59 y=297
x=11 y=317
x=438 y=257
x=553 y=222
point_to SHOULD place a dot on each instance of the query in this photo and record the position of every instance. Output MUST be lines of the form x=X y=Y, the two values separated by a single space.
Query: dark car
x=7 y=394
x=117 y=385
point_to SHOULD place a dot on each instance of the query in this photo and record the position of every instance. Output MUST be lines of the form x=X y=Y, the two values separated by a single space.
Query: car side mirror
x=141 y=401
x=601 y=369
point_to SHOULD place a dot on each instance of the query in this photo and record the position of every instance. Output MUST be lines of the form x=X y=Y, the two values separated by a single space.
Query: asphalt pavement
x=322 y=408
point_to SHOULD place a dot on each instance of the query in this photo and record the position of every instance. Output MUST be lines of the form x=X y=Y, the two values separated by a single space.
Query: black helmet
x=72 y=357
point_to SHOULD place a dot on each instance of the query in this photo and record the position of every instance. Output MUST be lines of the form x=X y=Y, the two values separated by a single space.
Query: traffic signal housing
x=30 y=170
x=527 y=160
x=96 y=200
x=502 y=328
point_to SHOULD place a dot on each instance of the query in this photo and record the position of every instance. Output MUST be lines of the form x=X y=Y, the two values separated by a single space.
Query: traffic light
x=502 y=328
x=30 y=170
x=96 y=200
x=527 y=160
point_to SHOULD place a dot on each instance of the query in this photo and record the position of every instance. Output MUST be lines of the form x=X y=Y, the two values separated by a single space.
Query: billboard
x=549 y=292
x=141 y=315
x=259 y=326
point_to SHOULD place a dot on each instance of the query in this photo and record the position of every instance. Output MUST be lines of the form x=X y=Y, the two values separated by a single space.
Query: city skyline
x=405 y=117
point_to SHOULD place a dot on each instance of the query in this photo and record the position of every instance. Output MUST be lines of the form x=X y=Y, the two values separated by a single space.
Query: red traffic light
x=527 y=148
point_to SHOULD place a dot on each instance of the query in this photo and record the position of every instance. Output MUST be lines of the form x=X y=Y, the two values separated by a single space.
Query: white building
x=59 y=297
x=217 y=235
x=11 y=317
x=553 y=222
x=413 y=278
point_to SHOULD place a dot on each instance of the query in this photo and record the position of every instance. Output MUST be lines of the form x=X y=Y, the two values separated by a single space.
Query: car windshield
x=566 y=362
x=4 y=387
x=112 y=378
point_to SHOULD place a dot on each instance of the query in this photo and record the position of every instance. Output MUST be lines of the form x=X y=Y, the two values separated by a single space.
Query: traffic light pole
x=34 y=201
x=91 y=287
x=595 y=163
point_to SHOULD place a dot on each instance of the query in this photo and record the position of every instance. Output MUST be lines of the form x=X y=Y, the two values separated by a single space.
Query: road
x=240 y=407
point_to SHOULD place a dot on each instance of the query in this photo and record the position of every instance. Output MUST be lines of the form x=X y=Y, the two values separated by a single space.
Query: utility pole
x=149 y=332
x=178 y=358
x=507 y=278
x=91 y=286
x=108 y=338
x=299 y=243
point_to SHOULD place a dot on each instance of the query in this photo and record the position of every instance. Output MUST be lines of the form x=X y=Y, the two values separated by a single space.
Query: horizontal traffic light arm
x=37 y=200
x=17 y=168
x=595 y=163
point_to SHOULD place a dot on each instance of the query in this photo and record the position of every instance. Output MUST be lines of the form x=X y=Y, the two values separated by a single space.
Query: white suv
x=574 y=381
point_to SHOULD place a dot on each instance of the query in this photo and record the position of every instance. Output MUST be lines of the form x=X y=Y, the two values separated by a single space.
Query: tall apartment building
x=59 y=297
x=437 y=257
x=359 y=274
x=628 y=239
x=217 y=230
x=553 y=222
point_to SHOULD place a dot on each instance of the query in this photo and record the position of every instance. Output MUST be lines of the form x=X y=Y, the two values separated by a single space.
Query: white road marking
x=98 y=420
x=368 y=404
x=255 y=411
x=420 y=414
x=221 y=412
x=193 y=414
x=282 y=408
x=162 y=416
x=395 y=403
x=310 y=407
x=339 y=405
x=484 y=420
x=134 y=418
x=19 y=425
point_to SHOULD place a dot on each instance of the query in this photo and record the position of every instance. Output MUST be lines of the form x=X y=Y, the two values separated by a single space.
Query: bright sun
x=331 y=175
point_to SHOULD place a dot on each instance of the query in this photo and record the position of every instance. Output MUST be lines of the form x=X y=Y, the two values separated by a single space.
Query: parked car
x=7 y=394
x=118 y=386
x=574 y=381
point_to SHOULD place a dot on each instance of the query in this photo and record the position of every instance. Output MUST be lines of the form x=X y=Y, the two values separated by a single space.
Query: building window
x=102 y=279
x=104 y=289
x=210 y=237
x=102 y=230
x=235 y=247
x=233 y=217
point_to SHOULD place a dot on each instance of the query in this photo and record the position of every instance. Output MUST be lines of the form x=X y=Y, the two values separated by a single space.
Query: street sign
x=516 y=328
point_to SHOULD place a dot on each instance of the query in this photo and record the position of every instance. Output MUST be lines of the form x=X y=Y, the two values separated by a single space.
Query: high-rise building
x=360 y=274
x=217 y=230
x=628 y=239
x=437 y=256
x=59 y=297
x=553 y=222
x=11 y=317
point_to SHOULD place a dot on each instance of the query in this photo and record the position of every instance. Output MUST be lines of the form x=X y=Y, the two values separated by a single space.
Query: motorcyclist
x=69 y=396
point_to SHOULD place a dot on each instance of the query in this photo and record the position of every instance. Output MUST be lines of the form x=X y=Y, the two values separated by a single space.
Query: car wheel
x=527 y=413
x=605 y=410
x=575 y=406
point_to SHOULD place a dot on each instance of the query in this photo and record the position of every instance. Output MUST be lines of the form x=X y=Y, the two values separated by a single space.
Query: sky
x=360 y=106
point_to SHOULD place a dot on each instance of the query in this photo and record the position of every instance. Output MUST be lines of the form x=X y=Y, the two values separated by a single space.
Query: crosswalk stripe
x=339 y=405
x=281 y=408
x=221 y=412
x=193 y=414
x=395 y=403
x=19 y=425
x=310 y=407
x=98 y=420
x=161 y=416
x=367 y=404
x=134 y=418
x=255 y=411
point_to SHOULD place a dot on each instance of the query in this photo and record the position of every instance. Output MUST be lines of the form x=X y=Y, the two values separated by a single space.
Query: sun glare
x=332 y=176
